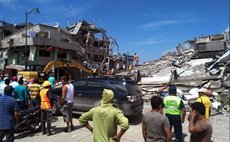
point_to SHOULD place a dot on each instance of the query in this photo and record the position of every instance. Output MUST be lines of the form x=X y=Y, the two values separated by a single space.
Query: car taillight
x=132 y=98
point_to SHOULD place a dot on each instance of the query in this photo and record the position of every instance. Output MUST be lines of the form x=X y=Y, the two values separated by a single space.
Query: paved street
x=134 y=134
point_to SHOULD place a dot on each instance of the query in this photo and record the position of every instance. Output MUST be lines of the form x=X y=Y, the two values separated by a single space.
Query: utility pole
x=35 y=10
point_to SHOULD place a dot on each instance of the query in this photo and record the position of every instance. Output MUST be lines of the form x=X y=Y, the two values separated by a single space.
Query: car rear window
x=95 y=86
x=80 y=85
x=120 y=86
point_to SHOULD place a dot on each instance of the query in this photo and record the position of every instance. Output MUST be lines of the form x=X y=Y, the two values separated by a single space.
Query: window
x=120 y=86
x=62 y=55
x=79 y=85
x=95 y=86
x=44 y=53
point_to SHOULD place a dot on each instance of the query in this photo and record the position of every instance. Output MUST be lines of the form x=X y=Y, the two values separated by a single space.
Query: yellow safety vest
x=45 y=102
x=172 y=105
x=207 y=104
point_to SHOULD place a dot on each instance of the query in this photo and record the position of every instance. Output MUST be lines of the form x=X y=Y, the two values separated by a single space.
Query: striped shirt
x=34 y=90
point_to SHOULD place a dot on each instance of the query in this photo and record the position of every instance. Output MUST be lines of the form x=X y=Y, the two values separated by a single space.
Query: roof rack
x=115 y=77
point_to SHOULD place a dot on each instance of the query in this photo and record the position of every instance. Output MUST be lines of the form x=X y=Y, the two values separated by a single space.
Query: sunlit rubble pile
x=188 y=73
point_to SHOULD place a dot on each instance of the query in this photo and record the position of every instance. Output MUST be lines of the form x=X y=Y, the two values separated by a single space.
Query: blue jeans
x=175 y=122
x=9 y=133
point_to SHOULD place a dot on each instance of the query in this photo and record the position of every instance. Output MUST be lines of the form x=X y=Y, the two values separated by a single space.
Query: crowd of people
x=157 y=124
x=166 y=113
x=16 y=95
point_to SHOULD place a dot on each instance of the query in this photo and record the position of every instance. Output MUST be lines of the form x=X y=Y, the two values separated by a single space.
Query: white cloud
x=8 y=3
x=5 y=1
x=152 y=41
x=42 y=1
x=67 y=10
x=157 y=24
x=146 y=42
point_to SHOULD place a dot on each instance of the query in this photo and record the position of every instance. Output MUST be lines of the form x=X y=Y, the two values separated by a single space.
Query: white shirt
x=2 y=87
x=14 y=84
x=69 y=94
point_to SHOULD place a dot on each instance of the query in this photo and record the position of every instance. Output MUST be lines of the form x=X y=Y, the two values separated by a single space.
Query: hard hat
x=46 y=84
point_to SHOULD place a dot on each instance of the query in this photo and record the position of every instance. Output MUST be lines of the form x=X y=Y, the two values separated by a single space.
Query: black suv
x=88 y=94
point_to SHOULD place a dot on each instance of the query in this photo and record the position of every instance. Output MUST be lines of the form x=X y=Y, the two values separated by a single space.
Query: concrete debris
x=190 y=69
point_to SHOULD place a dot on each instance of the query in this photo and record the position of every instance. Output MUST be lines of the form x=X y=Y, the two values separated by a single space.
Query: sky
x=146 y=27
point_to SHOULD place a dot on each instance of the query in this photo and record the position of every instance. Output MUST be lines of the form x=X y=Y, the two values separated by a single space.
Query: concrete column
x=68 y=56
x=21 y=57
x=54 y=54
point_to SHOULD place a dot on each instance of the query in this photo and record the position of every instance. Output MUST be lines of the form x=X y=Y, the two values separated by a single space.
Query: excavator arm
x=59 y=64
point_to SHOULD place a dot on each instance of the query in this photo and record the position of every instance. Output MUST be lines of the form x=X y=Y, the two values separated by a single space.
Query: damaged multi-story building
x=202 y=58
x=200 y=62
x=210 y=46
x=33 y=46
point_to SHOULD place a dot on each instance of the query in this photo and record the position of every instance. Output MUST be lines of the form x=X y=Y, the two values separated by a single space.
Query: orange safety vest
x=45 y=101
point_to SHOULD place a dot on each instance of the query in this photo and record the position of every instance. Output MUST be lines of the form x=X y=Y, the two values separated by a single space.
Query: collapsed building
x=201 y=62
x=32 y=46
x=194 y=62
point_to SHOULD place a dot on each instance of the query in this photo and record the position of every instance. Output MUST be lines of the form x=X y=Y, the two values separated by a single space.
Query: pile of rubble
x=188 y=73
x=189 y=69
x=182 y=68
x=205 y=63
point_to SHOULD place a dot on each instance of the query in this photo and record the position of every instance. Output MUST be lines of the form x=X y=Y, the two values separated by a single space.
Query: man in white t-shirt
x=3 y=85
x=67 y=103
x=14 y=82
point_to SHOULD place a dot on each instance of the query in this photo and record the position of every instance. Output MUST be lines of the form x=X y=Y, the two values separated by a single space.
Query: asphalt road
x=134 y=134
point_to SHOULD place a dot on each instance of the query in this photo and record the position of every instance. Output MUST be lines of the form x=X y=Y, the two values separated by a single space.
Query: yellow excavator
x=73 y=70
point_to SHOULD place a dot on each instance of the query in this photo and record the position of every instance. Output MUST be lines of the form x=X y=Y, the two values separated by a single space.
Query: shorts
x=67 y=112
